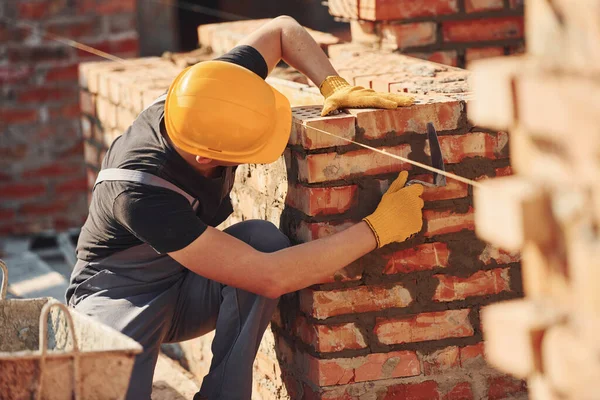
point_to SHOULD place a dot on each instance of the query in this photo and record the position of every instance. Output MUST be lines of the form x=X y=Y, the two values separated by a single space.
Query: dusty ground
x=172 y=382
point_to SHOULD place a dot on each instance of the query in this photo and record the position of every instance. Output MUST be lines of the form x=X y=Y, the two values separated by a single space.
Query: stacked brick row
x=403 y=321
x=42 y=177
x=452 y=32
x=550 y=210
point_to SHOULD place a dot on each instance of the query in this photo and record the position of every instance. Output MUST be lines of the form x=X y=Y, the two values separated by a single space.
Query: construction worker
x=150 y=262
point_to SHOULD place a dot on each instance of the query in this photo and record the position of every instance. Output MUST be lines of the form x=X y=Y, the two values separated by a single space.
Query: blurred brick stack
x=452 y=32
x=550 y=209
x=42 y=177
x=402 y=322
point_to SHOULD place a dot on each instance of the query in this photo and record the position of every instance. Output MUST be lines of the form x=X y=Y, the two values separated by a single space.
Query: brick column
x=42 y=178
x=403 y=321
x=452 y=32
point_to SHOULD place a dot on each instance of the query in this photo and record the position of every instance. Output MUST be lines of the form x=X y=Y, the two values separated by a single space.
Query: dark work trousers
x=153 y=299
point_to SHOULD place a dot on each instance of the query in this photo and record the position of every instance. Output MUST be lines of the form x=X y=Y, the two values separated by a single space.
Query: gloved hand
x=339 y=94
x=399 y=214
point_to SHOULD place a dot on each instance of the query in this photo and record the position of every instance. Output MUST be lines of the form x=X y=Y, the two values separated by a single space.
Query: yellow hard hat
x=223 y=111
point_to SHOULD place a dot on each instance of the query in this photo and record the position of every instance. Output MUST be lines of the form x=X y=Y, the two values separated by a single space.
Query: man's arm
x=223 y=258
x=285 y=39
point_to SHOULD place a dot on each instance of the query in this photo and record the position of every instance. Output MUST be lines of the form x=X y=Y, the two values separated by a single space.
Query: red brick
x=44 y=94
x=4 y=177
x=74 y=151
x=15 y=74
x=492 y=253
x=423 y=327
x=46 y=208
x=442 y=222
x=374 y=10
x=309 y=231
x=461 y=391
x=416 y=34
x=440 y=57
x=501 y=387
x=332 y=166
x=453 y=189
x=109 y=7
x=441 y=360
x=11 y=116
x=457 y=148
x=122 y=23
x=58 y=168
x=504 y=171
x=373 y=367
x=38 y=10
x=325 y=304
x=115 y=47
x=479 y=30
x=329 y=338
x=65 y=111
x=34 y=54
x=63 y=73
x=478 y=53
x=321 y=201
x=21 y=190
x=6 y=214
x=483 y=5
x=472 y=355
x=306 y=121
x=482 y=283
x=424 y=257
x=381 y=123
x=73 y=185
x=427 y=390
x=75 y=29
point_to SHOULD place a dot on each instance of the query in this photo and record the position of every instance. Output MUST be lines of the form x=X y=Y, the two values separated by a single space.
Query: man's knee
x=262 y=235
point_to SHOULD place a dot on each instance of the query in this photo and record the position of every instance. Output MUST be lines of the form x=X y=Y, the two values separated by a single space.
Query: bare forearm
x=309 y=263
x=223 y=258
x=283 y=38
x=302 y=52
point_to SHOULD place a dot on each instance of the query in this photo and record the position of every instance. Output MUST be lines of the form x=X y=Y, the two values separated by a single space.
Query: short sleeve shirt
x=126 y=214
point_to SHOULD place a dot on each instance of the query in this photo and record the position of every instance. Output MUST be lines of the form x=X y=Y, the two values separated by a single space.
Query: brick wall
x=402 y=322
x=452 y=32
x=42 y=178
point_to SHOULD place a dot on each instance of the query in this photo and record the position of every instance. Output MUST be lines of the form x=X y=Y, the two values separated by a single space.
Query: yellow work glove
x=399 y=214
x=339 y=94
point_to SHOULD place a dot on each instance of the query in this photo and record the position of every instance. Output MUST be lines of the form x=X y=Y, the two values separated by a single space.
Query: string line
x=406 y=160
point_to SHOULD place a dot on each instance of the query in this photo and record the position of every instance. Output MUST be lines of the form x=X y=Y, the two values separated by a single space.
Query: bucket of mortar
x=51 y=352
